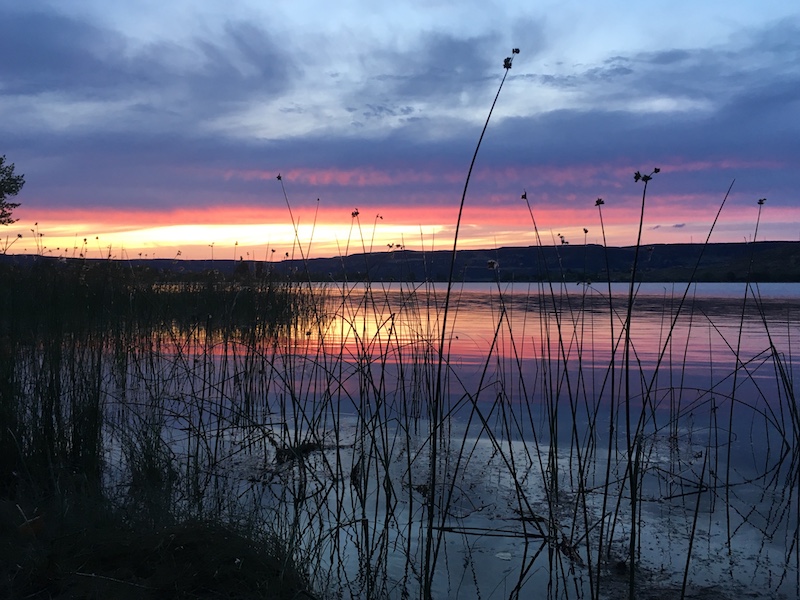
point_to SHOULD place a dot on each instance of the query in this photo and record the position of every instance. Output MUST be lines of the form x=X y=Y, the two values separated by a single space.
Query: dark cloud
x=78 y=61
x=439 y=67
x=610 y=71
x=55 y=53
x=372 y=111
x=670 y=57
x=242 y=63
x=753 y=80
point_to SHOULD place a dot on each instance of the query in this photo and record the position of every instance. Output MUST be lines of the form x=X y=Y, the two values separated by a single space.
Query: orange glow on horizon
x=228 y=232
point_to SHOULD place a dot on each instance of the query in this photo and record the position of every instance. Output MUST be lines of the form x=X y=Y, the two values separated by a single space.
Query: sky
x=158 y=129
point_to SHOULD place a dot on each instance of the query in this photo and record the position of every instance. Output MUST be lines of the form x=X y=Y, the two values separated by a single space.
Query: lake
x=533 y=440
x=547 y=424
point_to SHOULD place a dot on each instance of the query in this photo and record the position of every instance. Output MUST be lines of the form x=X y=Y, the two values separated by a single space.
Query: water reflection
x=544 y=453
x=527 y=322
x=700 y=407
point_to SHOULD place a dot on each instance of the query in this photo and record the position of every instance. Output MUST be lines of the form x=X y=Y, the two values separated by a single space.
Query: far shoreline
x=760 y=262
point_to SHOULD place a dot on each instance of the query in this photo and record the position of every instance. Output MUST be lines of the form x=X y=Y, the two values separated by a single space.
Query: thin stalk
x=612 y=416
x=694 y=526
x=735 y=379
x=633 y=466
x=430 y=559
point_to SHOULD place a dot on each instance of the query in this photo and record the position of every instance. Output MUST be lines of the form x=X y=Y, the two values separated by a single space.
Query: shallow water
x=504 y=469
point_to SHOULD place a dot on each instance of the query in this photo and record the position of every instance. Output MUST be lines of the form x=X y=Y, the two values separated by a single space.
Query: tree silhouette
x=10 y=185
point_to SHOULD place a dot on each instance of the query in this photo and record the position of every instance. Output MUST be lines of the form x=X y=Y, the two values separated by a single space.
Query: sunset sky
x=157 y=127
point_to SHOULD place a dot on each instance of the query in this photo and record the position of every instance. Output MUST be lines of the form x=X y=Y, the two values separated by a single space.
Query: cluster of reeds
x=99 y=360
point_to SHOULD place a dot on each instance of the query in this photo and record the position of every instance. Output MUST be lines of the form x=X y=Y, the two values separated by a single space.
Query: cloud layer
x=198 y=110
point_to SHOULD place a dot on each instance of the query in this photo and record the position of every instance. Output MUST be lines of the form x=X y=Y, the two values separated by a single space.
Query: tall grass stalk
x=437 y=408
x=632 y=444
x=734 y=383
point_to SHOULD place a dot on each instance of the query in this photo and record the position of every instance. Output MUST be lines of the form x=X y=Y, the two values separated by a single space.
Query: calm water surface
x=701 y=392
x=525 y=457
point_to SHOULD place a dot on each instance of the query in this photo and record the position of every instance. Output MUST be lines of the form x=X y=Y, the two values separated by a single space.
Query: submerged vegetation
x=262 y=435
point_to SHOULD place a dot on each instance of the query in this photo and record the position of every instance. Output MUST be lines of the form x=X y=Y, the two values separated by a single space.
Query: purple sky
x=160 y=127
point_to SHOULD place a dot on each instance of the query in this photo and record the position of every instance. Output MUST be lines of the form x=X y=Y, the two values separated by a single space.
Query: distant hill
x=765 y=261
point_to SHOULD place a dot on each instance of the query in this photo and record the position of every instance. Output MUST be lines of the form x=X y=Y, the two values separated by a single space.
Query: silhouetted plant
x=10 y=185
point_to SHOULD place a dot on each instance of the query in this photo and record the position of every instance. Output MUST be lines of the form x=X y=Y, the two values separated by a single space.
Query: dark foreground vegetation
x=69 y=527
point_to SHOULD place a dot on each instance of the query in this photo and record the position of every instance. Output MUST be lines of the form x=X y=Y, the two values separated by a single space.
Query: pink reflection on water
x=570 y=322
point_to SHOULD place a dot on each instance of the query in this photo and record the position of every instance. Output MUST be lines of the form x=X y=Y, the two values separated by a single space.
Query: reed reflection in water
x=562 y=470
x=537 y=406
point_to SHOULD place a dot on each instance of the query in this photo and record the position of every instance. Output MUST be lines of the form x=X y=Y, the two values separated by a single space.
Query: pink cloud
x=361 y=177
